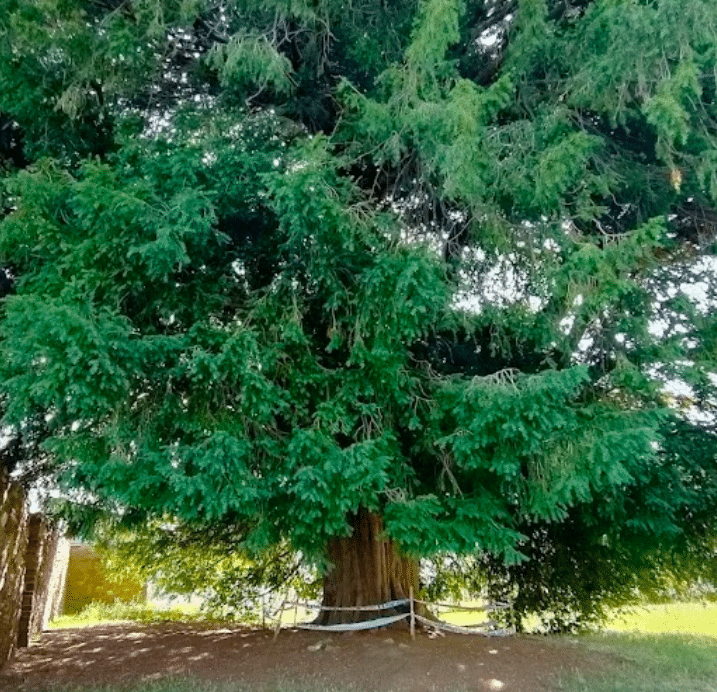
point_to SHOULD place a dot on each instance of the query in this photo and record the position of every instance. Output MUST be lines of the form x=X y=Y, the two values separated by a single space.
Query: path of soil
x=377 y=661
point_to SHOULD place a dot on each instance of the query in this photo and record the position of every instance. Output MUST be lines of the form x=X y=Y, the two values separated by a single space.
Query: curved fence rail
x=486 y=629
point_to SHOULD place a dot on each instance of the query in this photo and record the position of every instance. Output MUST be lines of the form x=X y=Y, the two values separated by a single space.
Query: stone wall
x=13 y=545
x=45 y=573
x=33 y=567
x=53 y=587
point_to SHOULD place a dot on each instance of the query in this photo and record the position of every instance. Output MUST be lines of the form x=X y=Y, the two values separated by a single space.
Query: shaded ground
x=367 y=662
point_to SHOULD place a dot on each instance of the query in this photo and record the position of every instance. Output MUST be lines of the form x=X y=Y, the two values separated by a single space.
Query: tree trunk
x=367 y=569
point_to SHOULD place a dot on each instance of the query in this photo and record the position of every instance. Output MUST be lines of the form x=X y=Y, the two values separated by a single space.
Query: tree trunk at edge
x=367 y=569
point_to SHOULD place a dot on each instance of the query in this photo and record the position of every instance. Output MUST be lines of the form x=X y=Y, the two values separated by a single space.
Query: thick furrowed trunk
x=367 y=570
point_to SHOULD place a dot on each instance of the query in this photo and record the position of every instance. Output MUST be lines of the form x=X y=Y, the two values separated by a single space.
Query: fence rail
x=487 y=628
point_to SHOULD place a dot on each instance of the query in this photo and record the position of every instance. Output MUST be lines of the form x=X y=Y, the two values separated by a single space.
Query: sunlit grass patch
x=697 y=618
x=101 y=613
x=693 y=617
x=463 y=618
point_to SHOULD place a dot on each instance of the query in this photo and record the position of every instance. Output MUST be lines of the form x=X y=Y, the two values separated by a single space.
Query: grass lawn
x=657 y=648
x=650 y=663
x=101 y=613
x=696 y=618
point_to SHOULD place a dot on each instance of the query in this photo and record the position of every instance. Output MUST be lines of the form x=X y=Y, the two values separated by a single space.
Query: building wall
x=87 y=582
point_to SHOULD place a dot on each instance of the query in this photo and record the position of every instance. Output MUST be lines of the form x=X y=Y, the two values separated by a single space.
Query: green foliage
x=604 y=554
x=251 y=60
x=264 y=264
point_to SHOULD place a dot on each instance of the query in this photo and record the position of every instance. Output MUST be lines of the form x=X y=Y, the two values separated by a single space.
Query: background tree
x=208 y=564
x=380 y=279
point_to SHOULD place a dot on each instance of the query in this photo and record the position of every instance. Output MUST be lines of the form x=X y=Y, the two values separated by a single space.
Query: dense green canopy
x=267 y=263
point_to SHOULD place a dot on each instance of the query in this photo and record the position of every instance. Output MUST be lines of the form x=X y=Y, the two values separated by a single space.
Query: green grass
x=102 y=613
x=649 y=663
x=697 y=618
x=656 y=648
x=693 y=617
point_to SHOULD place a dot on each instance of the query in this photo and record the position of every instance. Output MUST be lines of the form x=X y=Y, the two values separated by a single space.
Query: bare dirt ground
x=381 y=660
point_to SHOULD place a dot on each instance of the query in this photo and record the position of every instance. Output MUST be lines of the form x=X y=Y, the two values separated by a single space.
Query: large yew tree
x=380 y=278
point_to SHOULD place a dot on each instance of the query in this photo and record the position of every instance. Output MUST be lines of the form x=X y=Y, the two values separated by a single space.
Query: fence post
x=278 y=621
x=413 y=613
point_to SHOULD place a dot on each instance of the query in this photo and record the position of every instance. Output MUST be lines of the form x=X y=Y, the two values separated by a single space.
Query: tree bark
x=367 y=569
